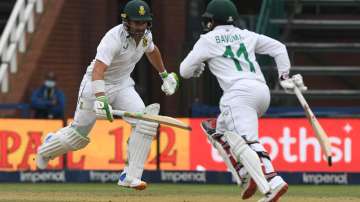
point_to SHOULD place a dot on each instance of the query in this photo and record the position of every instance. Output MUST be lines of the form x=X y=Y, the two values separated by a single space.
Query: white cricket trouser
x=120 y=97
x=242 y=106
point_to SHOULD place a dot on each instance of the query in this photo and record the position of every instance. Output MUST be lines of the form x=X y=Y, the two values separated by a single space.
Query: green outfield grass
x=164 y=192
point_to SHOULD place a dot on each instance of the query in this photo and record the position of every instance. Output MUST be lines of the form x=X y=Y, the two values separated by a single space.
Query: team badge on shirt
x=141 y=10
x=144 y=42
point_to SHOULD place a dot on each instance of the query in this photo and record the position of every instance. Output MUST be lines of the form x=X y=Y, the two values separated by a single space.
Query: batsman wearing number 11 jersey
x=230 y=55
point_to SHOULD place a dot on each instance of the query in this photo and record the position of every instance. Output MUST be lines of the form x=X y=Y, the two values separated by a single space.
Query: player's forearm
x=156 y=59
x=282 y=63
x=185 y=70
x=188 y=66
x=98 y=83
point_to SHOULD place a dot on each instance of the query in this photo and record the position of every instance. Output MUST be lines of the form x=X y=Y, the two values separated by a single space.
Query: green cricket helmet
x=219 y=12
x=136 y=10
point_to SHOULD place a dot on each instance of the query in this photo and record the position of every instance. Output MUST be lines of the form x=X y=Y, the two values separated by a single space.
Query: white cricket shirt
x=230 y=53
x=119 y=52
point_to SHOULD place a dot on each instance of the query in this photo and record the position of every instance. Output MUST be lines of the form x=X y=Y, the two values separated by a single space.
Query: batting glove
x=170 y=82
x=288 y=83
x=103 y=109
x=299 y=82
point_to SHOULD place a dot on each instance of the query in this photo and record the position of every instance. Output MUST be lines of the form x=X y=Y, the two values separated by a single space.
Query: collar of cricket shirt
x=224 y=27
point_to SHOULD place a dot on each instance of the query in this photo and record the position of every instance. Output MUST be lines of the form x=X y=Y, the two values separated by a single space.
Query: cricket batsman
x=107 y=84
x=230 y=55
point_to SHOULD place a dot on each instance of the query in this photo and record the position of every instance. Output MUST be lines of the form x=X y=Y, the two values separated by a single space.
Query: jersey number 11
x=242 y=50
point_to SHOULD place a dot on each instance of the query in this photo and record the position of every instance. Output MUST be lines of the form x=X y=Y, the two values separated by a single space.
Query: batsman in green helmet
x=230 y=54
x=219 y=12
x=137 y=18
x=107 y=84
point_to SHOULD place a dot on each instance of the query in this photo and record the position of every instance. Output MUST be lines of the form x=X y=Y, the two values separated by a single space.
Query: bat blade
x=323 y=138
x=147 y=117
x=320 y=133
x=154 y=118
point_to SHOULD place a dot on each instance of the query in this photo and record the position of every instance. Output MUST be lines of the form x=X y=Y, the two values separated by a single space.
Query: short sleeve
x=150 y=44
x=108 y=47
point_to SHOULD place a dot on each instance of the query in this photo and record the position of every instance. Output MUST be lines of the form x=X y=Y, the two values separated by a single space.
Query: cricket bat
x=319 y=131
x=153 y=118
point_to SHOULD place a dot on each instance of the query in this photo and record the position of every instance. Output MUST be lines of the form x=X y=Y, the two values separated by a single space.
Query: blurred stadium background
x=323 y=40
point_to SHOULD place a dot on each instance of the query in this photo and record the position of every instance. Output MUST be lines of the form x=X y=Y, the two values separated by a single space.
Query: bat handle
x=118 y=112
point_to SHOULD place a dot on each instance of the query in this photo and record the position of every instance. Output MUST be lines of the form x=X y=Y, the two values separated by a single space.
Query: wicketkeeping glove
x=170 y=82
x=102 y=108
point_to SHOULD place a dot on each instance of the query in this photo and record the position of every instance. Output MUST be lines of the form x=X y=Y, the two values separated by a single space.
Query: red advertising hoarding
x=291 y=144
x=19 y=140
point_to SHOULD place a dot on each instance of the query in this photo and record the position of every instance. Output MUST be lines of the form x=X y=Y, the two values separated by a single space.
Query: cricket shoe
x=249 y=187
x=278 y=188
x=131 y=182
x=41 y=161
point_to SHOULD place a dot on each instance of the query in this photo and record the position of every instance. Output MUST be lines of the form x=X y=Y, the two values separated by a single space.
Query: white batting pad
x=209 y=128
x=64 y=140
x=52 y=147
x=264 y=158
x=249 y=159
x=140 y=142
x=74 y=139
